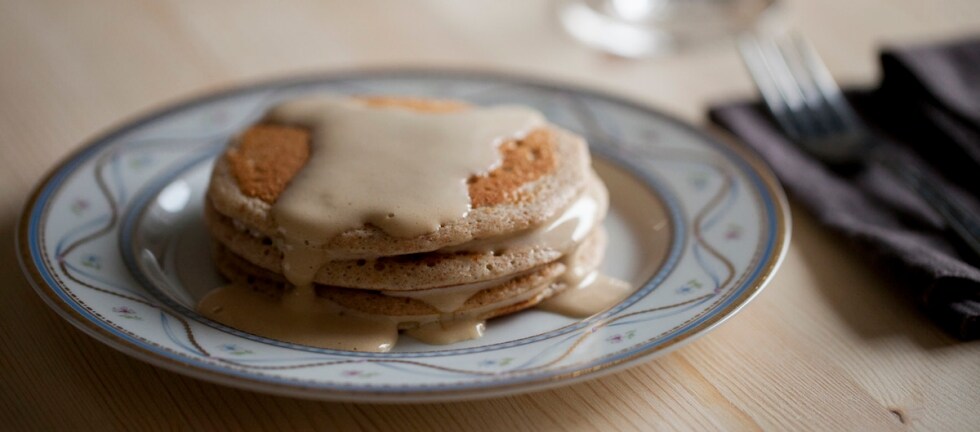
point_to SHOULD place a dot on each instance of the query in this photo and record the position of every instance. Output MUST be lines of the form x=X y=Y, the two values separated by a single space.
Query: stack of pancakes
x=477 y=267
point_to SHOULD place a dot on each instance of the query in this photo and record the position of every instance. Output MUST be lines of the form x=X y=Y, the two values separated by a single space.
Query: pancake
x=469 y=262
x=524 y=291
x=413 y=271
x=530 y=227
x=525 y=190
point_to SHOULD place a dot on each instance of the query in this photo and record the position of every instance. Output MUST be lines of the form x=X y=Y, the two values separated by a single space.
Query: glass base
x=649 y=28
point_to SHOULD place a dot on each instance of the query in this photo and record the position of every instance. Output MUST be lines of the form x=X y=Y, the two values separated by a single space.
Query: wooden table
x=827 y=346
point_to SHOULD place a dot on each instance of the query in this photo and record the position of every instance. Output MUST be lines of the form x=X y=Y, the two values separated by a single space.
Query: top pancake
x=538 y=176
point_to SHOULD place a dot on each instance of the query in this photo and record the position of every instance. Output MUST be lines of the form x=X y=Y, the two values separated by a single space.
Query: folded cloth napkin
x=928 y=104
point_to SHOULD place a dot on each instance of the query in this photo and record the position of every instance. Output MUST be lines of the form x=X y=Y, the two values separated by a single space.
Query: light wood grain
x=829 y=345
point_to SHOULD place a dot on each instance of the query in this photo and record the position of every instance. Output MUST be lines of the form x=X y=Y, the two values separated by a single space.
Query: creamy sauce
x=593 y=293
x=299 y=317
x=450 y=299
x=402 y=171
x=447 y=332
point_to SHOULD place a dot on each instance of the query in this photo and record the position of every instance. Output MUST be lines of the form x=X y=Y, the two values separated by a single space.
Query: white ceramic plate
x=113 y=240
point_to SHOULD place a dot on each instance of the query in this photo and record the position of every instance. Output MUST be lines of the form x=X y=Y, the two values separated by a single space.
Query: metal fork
x=808 y=105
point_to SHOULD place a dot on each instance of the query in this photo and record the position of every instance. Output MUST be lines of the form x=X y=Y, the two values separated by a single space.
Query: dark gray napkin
x=928 y=103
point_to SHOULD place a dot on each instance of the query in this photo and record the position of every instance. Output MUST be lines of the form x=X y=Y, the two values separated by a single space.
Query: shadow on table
x=871 y=303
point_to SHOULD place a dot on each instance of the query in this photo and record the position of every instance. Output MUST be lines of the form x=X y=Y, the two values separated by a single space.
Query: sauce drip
x=563 y=232
x=589 y=291
x=593 y=293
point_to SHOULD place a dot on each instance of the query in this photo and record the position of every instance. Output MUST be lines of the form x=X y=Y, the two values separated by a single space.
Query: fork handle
x=961 y=220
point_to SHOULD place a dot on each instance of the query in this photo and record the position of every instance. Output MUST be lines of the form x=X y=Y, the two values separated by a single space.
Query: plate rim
x=754 y=162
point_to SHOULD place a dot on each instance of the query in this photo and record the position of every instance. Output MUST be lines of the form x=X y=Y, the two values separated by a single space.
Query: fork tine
x=779 y=75
x=818 y=107
x=753 y=57
x=825 y=84
x=779 y=68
